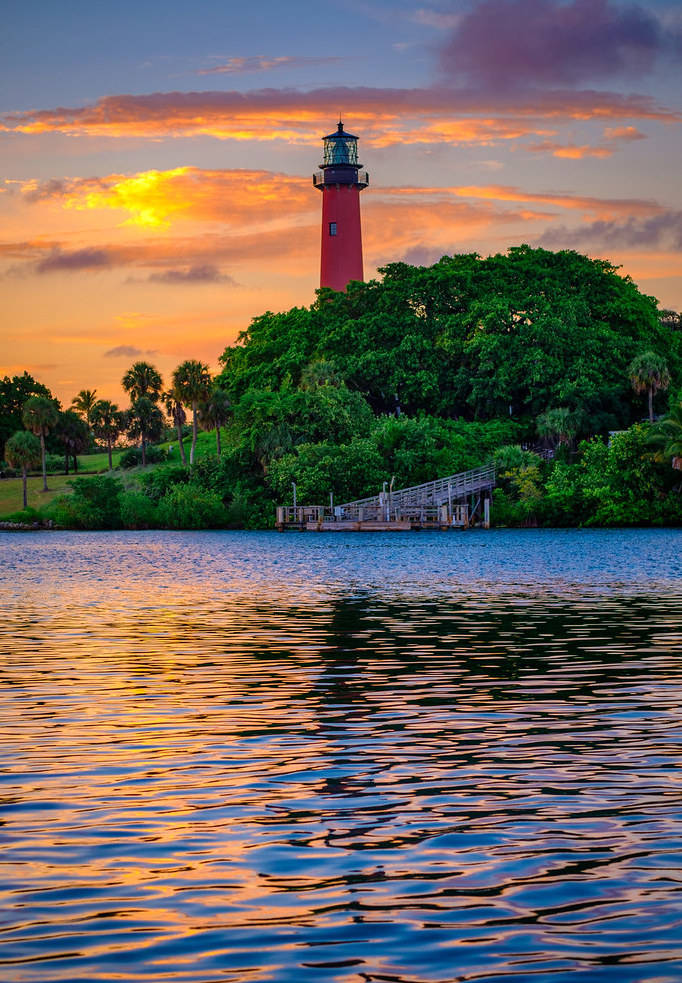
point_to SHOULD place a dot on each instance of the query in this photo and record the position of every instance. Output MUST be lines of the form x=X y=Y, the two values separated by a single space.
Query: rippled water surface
x=352 y=758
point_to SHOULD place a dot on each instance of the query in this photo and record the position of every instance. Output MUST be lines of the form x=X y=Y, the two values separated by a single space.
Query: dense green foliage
x=14 y=391
x=530 y=358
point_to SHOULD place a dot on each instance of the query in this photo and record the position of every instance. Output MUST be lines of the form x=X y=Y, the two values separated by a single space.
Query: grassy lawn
x=98 y=462
x=10 y=492
x=10 y=488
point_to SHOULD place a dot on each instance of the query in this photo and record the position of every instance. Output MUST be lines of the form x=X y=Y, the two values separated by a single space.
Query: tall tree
x=40 y=415
x=84 y=402
x=74 y=435
x=176 y=412
x=649 y=373
x=145 y=421
x=214 y=412
x=23 y=451
x=14 y=391
x=142 y=379
x=192 y=382
x=108 y=423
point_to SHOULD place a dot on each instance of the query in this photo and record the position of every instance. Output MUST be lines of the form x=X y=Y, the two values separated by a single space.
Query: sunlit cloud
x=402 y=115
x=570 y=151
x=237 y=65
x=155 y=199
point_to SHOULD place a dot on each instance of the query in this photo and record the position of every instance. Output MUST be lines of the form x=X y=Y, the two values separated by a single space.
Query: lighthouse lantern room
x=340 y=180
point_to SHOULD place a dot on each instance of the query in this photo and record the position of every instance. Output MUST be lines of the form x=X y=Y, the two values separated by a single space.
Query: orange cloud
x=295 y=116
x=570 y=151
x=153 y=199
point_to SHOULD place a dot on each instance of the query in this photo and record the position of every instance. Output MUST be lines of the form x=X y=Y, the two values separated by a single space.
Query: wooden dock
x=456 y=502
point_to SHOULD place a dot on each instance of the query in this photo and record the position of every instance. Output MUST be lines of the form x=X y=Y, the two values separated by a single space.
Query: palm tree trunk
x=42 y=454
x=183 y=456
x=66 y=462
x=217 y=439
x=111 y=464
x=144 y=452
x=651 y=404
x=194 y=434
x=23 y=476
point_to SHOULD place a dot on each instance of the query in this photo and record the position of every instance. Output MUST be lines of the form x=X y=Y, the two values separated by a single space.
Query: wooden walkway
x=456 y=502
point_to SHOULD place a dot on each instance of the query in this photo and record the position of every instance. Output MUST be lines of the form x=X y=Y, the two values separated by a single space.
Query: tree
x=192 y=383
x=84 y=403
x=142 y=379
x=558 y=424
x=74 y=434
x=666 y=437
x=14 y=391
x=176 y=412
x=214 y=412
x=145 y=421
x=40 y=415
x=108 y=422
x=23 y=451
x=649 y=373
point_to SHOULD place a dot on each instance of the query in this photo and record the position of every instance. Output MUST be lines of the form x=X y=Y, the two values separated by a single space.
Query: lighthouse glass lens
x=340 y=151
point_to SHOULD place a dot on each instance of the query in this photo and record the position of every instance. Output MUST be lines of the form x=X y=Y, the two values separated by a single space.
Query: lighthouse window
x=332 y=228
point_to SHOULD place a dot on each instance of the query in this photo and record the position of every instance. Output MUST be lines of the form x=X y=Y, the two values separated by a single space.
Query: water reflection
x=206 y=781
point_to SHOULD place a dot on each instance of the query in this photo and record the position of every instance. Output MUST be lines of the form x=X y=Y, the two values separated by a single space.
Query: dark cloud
x=194 y=274
x=128 y=351
x=662 y=231
x=59 y=261
x=520 y=43
x=261 y=63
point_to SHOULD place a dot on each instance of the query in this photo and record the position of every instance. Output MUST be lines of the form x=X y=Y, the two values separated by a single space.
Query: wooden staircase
x=457 y=501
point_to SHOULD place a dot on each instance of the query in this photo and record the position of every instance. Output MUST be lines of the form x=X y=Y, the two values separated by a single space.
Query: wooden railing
x=432 y=493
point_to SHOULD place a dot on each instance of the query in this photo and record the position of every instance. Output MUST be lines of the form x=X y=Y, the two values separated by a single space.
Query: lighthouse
x=340 y=180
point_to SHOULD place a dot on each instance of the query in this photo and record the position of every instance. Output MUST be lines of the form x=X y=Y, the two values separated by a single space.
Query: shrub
x=191 y=507
x=28 y=515
x=54 y=463
x=156 y=483
x=137 y=510
x=93 y=504
x=132 y=458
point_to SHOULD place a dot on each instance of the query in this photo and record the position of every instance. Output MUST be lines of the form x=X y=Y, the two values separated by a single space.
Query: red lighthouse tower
x=341 y=180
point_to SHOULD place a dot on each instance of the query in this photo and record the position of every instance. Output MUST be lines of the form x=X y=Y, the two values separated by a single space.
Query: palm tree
x=176 y=412
x=84 y=403
x=145 y=420
x=666 y=436
x=649 y=373
x=214 y=412
x=40 y=415
x=558 y=424
x=142 y=379
x=107 y=422
x=74 y=434
x=192 y=383
x=23 y=451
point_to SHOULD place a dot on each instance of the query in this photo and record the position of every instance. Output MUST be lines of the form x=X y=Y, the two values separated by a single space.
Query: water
x=351 y=758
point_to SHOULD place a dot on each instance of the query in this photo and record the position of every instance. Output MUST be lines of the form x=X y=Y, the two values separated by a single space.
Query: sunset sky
x=157 y=158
